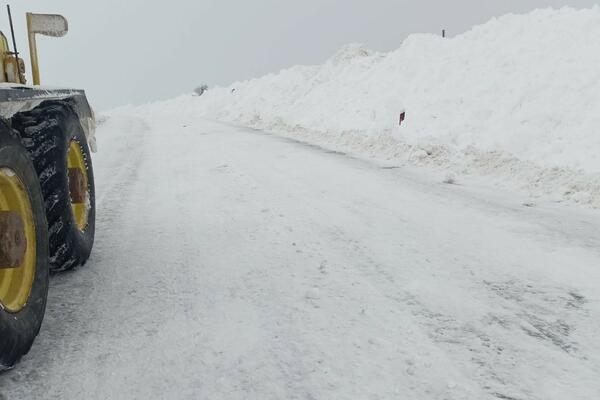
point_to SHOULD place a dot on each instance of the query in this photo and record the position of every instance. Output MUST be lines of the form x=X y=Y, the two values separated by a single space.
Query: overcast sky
x=135 y=51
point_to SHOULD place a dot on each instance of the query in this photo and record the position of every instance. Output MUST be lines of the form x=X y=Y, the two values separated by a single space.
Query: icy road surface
x=234 y=264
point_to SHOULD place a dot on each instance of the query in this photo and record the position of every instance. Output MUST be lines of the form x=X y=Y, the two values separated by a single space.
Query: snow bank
x=517 y=97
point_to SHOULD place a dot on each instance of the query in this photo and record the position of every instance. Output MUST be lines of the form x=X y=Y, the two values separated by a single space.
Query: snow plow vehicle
x=47 y=203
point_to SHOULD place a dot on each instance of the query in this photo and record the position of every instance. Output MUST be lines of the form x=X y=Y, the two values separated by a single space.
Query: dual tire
x=44 y=149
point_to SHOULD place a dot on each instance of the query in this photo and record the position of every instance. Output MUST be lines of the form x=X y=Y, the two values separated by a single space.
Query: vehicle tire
x=23 y=287
x=53 y=134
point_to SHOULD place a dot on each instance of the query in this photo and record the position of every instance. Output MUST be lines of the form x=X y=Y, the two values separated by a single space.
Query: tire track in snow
x=239 y=266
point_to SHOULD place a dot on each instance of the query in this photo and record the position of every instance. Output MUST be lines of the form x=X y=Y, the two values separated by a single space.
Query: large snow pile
x=518 y=96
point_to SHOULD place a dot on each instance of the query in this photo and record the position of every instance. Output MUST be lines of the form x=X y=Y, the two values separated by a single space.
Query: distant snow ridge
x=349 y=53
x=517 y=98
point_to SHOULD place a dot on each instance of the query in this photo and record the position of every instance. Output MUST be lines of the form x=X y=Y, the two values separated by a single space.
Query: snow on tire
x=49 y=133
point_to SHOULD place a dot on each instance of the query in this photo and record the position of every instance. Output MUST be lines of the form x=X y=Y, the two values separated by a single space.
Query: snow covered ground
x=315 y=257
x=236 y=264
x=514 y=100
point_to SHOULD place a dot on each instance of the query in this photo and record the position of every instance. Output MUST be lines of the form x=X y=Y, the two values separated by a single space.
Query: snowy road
x=234 y=264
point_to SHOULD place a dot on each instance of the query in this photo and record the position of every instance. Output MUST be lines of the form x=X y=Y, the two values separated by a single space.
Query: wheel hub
x=77 y=187
x=17 y=242
x=13 y=243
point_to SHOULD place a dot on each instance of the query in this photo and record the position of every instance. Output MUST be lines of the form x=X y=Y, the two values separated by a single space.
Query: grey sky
x=135 y=51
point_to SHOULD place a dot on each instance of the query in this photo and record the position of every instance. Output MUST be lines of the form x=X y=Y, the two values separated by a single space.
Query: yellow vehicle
x=47 y=201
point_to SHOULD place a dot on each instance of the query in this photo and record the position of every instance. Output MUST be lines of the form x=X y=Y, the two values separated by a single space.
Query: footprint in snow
x=313 y=294
x=449 y=179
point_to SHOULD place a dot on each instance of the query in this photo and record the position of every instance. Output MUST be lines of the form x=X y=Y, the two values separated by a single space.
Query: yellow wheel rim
x=81 y=209
x=16 y=283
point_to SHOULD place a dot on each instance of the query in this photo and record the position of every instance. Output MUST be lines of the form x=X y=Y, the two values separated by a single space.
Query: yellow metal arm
x=43 y=24
x=33 y=54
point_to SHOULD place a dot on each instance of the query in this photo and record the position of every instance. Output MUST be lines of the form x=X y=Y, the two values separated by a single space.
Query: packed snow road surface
x=235 y=264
